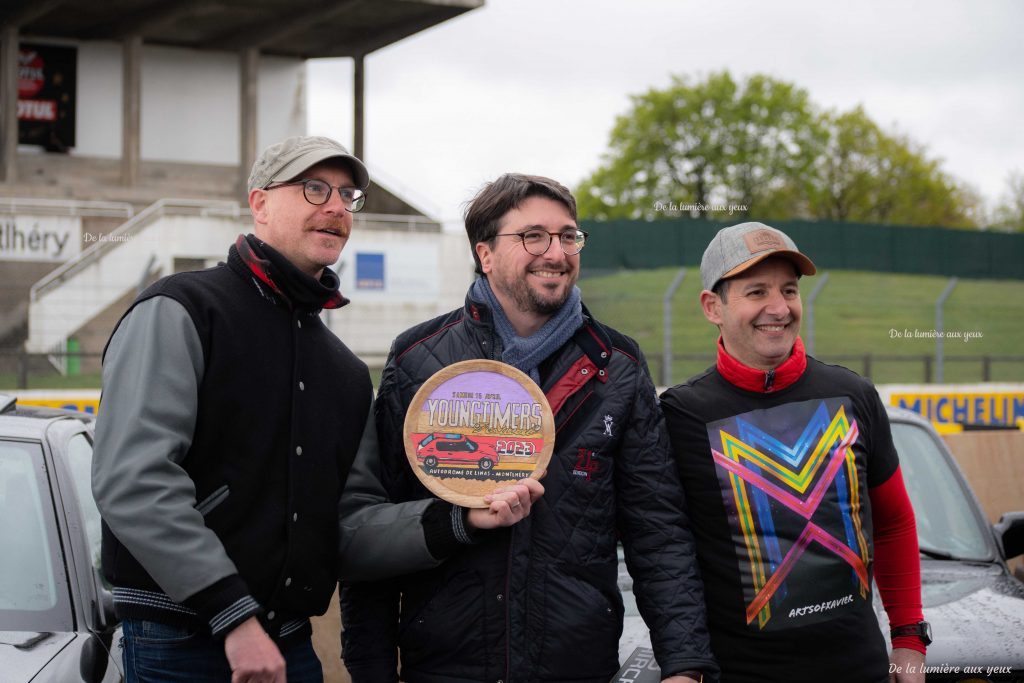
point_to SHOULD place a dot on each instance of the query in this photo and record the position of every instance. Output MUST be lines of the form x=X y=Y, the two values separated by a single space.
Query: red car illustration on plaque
x=438 y=448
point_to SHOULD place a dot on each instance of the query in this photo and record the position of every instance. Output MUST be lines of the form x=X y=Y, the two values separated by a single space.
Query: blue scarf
x=526 y=353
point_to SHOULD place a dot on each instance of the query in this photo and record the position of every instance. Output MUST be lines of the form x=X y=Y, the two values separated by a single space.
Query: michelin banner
x=996 y=405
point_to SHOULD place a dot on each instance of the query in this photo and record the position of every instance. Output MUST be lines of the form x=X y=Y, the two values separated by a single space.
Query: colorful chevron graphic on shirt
x=763 y=471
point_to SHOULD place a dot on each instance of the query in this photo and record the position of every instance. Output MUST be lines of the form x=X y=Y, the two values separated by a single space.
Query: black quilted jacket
x=540 y=602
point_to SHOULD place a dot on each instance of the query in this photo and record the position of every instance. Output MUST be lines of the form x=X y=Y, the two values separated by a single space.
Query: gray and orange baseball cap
x=287 y=159
x=739 y=247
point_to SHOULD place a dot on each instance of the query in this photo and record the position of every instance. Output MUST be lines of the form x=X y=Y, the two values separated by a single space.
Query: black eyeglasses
x=537 y=242
x=318 y=192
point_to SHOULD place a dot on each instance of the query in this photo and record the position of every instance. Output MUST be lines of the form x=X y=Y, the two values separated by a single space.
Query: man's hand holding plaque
x=506 y=506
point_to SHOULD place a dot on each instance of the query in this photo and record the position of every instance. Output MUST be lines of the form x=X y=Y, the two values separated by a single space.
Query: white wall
x=98 y=116
x=426 y=275
x=190 y=103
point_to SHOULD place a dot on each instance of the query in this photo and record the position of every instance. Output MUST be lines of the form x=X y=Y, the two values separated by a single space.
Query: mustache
x=335 y=225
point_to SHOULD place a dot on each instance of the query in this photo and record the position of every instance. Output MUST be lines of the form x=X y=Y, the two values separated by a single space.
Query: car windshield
x=946 y=523
x=33 y=584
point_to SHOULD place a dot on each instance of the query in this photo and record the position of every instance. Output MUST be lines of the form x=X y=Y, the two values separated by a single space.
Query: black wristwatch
x=695 y=675
x=921 y=629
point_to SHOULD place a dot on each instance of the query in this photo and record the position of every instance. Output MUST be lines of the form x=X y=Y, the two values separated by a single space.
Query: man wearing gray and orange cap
x=794 y=487
x=230 y=422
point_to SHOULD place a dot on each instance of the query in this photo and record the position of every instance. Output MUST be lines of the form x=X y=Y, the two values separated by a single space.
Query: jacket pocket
x=445 y=629
x=207 y=505
x=582 y=624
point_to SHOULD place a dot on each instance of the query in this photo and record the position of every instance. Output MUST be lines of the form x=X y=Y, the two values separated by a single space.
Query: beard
x=527 y=300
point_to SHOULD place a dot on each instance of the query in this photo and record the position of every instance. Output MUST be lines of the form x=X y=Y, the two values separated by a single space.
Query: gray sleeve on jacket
x=378 y=539
x=151 y=375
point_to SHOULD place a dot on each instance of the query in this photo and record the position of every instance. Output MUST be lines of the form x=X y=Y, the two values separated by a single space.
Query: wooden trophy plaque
x=476 y=426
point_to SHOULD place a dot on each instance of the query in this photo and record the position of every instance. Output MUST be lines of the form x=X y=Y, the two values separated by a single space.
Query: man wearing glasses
x=538 y=601
x=230 y=420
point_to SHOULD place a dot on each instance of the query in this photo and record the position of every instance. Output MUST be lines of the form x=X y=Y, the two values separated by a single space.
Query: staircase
x=147 y=244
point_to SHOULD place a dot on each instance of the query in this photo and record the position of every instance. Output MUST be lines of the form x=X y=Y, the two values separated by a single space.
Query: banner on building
x=40 y=238
x=369 y=271
x=991 y=405
x=386 y=271
x=47 y=78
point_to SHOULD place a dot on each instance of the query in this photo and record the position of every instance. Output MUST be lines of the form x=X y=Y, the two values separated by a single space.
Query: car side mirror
x=1010 y=534
x=93 y=663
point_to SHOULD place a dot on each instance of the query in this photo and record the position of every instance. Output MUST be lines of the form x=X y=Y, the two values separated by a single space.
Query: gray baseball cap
x=289 y=158
x=739 y=247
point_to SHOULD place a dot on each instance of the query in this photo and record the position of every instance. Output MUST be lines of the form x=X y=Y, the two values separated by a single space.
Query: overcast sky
x=536 y=85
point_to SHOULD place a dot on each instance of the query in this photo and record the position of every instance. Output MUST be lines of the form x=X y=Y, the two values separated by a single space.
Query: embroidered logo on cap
x=763 y=240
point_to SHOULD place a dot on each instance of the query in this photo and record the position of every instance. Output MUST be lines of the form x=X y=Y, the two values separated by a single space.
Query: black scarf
x=296 y=288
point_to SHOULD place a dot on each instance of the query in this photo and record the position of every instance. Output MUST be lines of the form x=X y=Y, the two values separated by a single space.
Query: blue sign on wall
x=369 y=271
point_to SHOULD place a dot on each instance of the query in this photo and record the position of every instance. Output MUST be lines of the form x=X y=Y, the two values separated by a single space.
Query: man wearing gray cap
x=793 y=485
x=231 y=418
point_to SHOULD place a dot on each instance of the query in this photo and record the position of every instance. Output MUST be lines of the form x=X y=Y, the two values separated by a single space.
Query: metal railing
x=865 y=364
x=22 y=370
x=65 y=207
x=163 y=207
x=199 y=207
x=394 y=221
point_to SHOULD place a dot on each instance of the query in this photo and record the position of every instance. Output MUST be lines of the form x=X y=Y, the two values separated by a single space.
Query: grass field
x=857 y=313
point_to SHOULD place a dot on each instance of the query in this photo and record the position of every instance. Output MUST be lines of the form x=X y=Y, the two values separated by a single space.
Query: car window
x=79 y=458
x=33 y=584
x=945 y=515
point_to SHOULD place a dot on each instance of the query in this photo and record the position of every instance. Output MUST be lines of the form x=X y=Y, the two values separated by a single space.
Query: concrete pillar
x=357 y=98
x=131 y=118
x=249 y=61
x=9 y=102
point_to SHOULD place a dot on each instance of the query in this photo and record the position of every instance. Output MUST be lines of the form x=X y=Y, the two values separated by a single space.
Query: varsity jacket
x=539 y=601
x=230 y=418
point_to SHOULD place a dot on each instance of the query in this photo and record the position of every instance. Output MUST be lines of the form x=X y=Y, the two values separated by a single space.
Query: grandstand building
x=127 y=130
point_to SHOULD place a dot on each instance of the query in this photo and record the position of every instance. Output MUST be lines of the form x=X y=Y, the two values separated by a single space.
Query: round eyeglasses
x=318 y=192
x=537 y=242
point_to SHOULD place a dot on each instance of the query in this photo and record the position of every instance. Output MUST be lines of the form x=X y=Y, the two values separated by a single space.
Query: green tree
x=866 y=175
x=763 y=145
x=1009 y=213
x=710 y=143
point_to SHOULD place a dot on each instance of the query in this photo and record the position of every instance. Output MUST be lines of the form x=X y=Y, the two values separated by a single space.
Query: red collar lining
x=761 y=381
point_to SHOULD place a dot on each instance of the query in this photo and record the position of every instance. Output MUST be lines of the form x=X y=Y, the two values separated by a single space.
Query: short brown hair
x=489 y=206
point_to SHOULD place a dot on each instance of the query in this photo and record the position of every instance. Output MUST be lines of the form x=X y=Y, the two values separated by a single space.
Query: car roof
x=904 y=415
x=31 y=422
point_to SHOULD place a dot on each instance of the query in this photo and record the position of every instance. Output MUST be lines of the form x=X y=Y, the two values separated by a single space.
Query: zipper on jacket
x=769 y=380
x=508 y=609
x=490 y=346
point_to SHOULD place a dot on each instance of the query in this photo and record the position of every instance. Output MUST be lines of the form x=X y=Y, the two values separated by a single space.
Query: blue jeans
x=164 y=653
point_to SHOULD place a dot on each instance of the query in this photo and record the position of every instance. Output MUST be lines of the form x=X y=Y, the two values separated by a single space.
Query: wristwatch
x=695 y=675
x=921 y=629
